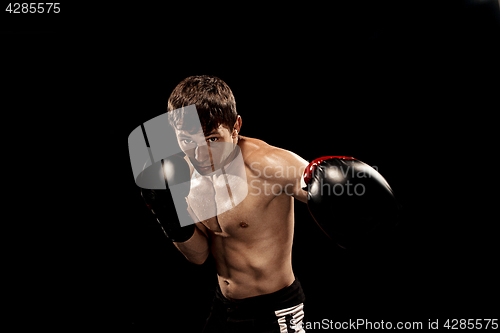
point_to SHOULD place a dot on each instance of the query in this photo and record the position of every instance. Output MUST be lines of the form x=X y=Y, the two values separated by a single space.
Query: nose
x=202 y=153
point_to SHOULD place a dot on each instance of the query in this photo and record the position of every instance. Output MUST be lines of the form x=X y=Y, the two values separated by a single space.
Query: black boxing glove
x=350 y=201
x=174 y=171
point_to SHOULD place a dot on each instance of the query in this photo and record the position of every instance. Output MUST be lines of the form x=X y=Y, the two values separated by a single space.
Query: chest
x=229 y=205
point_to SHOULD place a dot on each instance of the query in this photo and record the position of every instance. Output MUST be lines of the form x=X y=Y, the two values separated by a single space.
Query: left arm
x=285 y=168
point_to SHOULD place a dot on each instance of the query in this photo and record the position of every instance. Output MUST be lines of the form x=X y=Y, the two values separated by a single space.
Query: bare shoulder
x=259 y=155
x=257 y=151
x=252 y=148
x=276 y=166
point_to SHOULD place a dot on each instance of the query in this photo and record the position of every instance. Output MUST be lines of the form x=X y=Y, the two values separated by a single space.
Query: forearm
x=196 y=249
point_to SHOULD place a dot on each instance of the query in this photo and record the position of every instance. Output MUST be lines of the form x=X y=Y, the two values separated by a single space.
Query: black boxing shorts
x=278 y=312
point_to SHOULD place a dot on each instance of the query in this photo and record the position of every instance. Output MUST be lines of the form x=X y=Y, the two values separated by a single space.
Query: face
x=208 y=152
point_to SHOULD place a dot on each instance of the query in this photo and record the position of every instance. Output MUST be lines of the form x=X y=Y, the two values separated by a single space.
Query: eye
x=187 y=141
x=213 y=139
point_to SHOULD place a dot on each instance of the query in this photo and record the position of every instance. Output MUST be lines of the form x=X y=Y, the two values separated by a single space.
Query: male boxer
x=249 y=231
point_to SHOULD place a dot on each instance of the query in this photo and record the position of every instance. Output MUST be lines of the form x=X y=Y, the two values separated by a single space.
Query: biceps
x=293 y=181
x=300 y=195
x=287 y=171
x=293 y=188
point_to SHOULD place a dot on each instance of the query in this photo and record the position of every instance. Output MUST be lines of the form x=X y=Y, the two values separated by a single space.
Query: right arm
x=192 y=239
x=196 y=249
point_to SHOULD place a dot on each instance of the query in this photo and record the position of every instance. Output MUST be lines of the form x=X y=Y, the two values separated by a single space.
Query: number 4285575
x=33 y=7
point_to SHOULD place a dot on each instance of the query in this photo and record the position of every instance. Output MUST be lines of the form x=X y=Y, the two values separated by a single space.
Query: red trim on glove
x=309 y=171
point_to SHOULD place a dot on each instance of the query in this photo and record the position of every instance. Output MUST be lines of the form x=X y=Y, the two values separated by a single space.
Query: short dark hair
x=214 y=101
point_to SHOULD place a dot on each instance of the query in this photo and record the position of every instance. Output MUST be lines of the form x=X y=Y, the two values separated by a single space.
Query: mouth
x=204 y=168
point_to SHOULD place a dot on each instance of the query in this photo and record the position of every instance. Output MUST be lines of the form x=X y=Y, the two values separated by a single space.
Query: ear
x=236 y=127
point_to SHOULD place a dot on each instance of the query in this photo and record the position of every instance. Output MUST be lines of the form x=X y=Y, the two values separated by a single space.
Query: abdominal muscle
x=247 y=269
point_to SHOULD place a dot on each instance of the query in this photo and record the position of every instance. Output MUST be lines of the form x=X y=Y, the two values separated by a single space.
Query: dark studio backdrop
x=403 y=87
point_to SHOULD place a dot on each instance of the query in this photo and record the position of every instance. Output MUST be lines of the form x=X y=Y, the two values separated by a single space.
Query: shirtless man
x=249 y=231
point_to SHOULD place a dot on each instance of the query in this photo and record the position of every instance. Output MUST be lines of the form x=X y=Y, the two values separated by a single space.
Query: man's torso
x=252 y=241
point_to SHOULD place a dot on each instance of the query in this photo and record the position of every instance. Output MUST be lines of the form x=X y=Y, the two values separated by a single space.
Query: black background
x=408 y=87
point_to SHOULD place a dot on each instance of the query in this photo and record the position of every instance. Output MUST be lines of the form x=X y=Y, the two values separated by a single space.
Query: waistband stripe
x=296 y=313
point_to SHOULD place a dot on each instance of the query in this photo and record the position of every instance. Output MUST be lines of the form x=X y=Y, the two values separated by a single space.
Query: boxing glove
x=350 y=201
x=174 y=171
